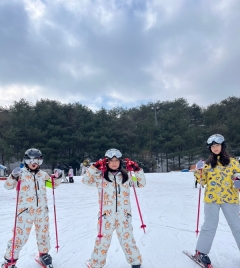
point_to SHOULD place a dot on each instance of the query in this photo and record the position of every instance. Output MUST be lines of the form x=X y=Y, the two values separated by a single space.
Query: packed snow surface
x=169 y=207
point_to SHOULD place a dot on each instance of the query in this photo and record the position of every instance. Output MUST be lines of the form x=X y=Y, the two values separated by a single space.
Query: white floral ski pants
x=124 y=230
x=26 y=218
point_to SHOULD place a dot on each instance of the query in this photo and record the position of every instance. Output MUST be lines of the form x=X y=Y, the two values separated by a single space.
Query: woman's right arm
x=12 y=179
x=92 y=176
x=201 y=175
x=10 y=183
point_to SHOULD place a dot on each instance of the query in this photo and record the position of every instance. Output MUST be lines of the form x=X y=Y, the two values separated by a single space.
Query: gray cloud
x=106 y=53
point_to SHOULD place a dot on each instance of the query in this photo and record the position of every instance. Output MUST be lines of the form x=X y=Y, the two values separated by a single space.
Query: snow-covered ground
x=169 y=209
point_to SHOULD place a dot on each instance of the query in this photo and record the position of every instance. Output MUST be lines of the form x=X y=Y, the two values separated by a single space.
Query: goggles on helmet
x=216 y=138
x=33 y=160
x=113 y=153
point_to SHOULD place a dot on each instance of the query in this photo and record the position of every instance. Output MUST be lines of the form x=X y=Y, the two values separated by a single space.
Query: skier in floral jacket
x=116 y=208
x=32 y=207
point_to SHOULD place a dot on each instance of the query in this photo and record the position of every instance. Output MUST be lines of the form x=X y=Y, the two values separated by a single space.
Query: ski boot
x=203 y=259
x=136 y=266
x=46 y=260
x=9 y=264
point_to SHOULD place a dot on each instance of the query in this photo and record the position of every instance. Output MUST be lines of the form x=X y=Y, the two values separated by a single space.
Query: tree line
x=163 y=136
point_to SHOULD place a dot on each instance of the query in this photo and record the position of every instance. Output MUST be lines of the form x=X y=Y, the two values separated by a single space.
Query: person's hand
x=131 y=165
x=236 y=176
x=57 y=173
x=199 y=165
x=101 y=164
x=16 y=173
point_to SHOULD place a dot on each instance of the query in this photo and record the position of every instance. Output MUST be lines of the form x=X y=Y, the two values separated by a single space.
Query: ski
x=43 y=266
x=88 y=264
x=36 y=258
x=40 y=263
x=195 y=260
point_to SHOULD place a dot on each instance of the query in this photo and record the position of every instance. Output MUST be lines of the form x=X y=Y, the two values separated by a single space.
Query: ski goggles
x=33 y=160
x=113 y=153
x=216 y=138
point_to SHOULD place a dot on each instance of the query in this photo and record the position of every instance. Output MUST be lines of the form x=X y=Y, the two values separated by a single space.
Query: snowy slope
x=169 y=208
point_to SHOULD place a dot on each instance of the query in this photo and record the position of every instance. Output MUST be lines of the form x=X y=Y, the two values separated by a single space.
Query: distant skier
x=218 y=175
x=70 y=175
x=116 y=209
x=85 y=165
x=32 y=207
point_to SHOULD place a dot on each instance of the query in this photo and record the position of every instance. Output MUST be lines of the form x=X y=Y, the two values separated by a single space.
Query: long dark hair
x=121 y=169
x=224 y=157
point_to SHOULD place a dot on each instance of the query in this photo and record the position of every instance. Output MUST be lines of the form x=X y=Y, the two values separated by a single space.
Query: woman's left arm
x=138 y=178
x=57 y=178
x=236 y=166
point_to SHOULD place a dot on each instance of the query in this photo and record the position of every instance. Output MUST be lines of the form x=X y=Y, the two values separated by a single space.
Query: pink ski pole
x=15 y=221
x=199 y=165
x=138 y=206
x=55 y=214
x=101 y=207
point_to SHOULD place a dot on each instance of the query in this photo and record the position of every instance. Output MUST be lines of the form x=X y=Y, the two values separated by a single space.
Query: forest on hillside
x=172 y=134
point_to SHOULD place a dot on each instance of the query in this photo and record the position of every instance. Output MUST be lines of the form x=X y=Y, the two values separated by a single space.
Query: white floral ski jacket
x=116 y=198
x=32 y=188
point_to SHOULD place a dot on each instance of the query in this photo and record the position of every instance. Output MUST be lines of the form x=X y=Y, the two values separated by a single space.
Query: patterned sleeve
x=57 y=182
x=92 y=176
x=236 y=166
x=10 y=183
x=201 y=175
x=141 y=180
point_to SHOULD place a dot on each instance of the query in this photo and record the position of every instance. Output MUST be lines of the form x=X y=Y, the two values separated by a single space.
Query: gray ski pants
x=211 y=218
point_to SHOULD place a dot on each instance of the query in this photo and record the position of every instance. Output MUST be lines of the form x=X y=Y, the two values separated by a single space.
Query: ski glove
x=199 y=165
x=57 y=173
x=236 y=180
x=101 y=164
x=236 y=176
x=131 y=165
x=16 y=173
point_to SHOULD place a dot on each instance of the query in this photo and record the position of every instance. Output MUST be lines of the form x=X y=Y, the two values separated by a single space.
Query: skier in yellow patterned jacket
x=32 y=207
x=220 y=176
x=116 y=212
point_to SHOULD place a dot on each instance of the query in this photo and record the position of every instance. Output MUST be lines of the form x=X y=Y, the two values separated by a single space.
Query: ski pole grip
x=18 y=185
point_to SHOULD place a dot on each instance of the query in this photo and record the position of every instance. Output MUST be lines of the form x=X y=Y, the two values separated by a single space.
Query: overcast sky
x=108 y=53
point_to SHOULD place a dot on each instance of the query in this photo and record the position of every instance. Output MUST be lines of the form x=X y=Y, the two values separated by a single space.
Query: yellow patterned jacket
x=219 y=183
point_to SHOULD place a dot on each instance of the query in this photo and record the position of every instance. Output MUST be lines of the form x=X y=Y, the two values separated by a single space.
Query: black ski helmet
x=31 y=154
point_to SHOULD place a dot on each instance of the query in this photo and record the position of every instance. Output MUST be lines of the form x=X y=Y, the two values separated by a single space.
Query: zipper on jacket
x=119 y=189
x=116 y=190
x=114 y=175
x=35 y=188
